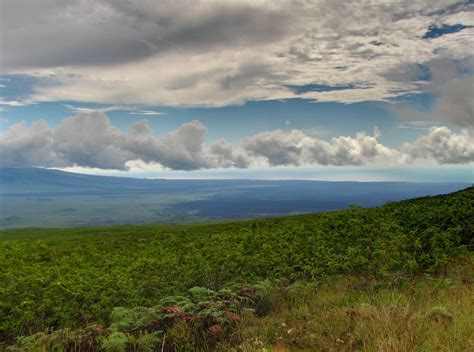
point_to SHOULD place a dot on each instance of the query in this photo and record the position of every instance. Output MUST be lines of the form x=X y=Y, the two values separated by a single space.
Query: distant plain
x=31 y=197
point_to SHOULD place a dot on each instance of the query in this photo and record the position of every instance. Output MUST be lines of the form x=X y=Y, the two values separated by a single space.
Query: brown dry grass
x=424 y=314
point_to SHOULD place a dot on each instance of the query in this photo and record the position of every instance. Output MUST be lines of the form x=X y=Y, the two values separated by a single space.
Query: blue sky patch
x=318 y=88
x=20 y=86
x=424 y=73
x=435 y=31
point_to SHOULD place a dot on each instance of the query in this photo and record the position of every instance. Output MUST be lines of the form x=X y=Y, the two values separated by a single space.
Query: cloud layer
x=219 y=53
x=296 y=148
x=442 y=145
x=91 y=140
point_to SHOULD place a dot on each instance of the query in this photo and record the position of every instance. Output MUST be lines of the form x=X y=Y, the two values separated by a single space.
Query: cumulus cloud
x=220 y=53
x=91 y=140
x=296 y=148
x=22 y=145
x=181 y=149
x=278 y=147
x=353 y=151
x=228 y=156
x=442 y=145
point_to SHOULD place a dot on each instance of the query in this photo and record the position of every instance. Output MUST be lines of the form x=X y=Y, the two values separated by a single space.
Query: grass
x=425 y=314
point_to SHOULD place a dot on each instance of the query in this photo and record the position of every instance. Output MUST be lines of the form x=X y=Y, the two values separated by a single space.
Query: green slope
x=71 y=277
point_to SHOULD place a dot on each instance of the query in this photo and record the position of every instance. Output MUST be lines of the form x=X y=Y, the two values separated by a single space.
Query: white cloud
x=415 y=125
x=181 y=149
x=91 y=140
x=81 y=109
x=210 y=53
x=15 y=103
x=317 y=131
x=132 y=110
x=28 y=146
x=296 y=148
x=443 y=146
x=146 y=112
x=353 y=151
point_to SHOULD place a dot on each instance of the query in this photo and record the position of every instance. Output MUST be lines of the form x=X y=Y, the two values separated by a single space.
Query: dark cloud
x=455 y=102
x=216 y=53
x=408 y=72
x=246 y=75
x=450 y=82
x=109 y=32
x=90 y=33
x=454 y=7
x=453 y=85
x=278 y=147
x=227 y=156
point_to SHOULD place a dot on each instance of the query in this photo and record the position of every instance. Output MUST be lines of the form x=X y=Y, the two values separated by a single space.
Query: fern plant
x=148 y=342
x=121 y=319
x=115 y=342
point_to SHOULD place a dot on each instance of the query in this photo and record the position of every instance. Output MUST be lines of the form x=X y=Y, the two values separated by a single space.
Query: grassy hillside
x=204 y=287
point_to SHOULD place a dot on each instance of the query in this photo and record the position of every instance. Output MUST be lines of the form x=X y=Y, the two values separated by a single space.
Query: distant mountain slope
x=37 y=180
x=42 y=197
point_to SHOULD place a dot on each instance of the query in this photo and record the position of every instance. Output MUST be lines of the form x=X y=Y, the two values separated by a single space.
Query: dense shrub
x=201 y=319
x=72 y=278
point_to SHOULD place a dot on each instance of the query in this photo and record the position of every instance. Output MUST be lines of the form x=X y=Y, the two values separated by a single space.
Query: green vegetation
x=390 y=278
x=91 y=209
x=421 y=314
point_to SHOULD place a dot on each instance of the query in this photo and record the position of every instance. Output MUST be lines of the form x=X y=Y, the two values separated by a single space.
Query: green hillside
x=206 y=287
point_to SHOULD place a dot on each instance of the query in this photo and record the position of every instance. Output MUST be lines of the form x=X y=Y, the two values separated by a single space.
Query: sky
x=352 y=90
